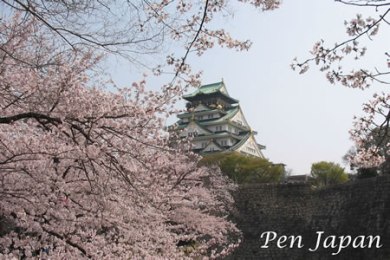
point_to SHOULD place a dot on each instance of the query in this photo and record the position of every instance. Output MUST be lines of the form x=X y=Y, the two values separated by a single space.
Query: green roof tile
x=224 y=119
x=204 y=112
x=230 y=113
x=206 y=89
x=240 y=143
x=211 y=89
x=217 y=135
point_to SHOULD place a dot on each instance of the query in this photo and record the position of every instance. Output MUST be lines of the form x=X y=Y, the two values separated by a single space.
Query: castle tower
x=216 y=123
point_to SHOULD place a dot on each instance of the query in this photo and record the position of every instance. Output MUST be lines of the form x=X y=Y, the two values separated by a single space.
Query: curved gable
x=251 y=147
x=201 y=107
x=223 y=89
x=212 y=147
x=193 y=129
x=239 y=118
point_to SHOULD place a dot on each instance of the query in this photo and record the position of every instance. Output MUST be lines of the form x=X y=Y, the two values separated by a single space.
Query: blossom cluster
x=369 y=132
x=88 y=173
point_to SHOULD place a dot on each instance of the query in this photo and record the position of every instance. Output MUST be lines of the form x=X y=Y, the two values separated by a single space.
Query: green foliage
x=327 y=173
x=245 y=169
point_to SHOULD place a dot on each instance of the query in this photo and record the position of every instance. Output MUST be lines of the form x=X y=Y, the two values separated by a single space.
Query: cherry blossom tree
x=139 y=30
x=332 y=60
x=88 y=173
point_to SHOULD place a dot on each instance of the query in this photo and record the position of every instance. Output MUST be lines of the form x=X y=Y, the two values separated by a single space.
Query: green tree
x=245 y=169
x=327 y=173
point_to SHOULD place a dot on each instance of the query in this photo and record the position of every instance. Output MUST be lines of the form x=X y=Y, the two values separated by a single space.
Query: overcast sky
x=300 y=118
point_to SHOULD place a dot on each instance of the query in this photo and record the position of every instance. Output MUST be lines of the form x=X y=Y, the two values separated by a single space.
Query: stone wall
x=356 y=208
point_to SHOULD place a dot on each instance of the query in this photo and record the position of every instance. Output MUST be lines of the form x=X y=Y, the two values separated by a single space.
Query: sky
x=301 y=119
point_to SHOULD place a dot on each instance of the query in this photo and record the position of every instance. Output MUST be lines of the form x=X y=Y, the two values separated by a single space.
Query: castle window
x=218 y=128
x=251 y=150
x=210 y=116
x=193 y=134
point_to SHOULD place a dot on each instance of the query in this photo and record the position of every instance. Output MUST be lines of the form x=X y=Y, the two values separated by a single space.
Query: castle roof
x=240 y=143
x=226 y=118
x=217 y=89
x=203 y=112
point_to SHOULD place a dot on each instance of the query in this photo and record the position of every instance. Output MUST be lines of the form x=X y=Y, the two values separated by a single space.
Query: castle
x=216 y=123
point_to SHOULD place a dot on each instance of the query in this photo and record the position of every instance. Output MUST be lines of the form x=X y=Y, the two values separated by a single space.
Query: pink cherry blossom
x=85 y=172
